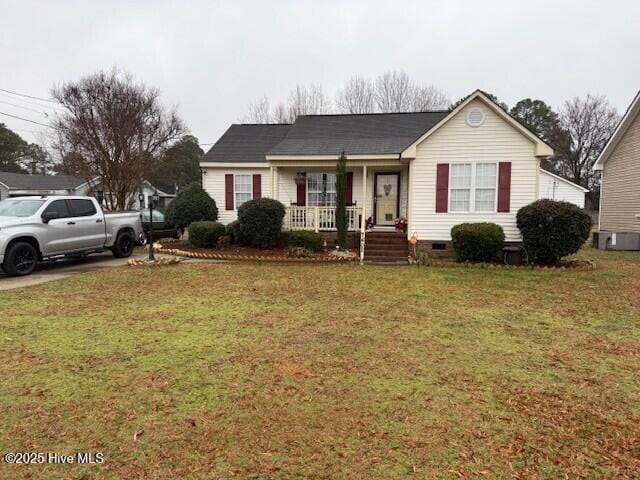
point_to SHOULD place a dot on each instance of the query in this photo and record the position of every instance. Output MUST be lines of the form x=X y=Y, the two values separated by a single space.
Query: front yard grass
x=327 y=371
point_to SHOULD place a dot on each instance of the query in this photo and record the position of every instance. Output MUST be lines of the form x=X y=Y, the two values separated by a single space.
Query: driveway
x=64 y=268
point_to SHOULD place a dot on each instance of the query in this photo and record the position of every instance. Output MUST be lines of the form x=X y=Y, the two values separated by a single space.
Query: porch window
x=242 y=188
x=321 y=189
x=472 y=187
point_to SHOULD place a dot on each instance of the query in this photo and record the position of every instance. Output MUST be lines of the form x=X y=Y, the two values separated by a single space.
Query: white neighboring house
x=555 y=187
x=437 y=169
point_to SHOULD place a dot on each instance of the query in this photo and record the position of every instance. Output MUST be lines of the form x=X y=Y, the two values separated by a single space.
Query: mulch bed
x=236 y=252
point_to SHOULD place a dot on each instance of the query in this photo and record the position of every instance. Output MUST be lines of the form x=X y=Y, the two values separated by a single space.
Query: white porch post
x=363 y=220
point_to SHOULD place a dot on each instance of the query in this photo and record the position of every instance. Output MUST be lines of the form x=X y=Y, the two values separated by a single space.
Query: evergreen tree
x=341 y=201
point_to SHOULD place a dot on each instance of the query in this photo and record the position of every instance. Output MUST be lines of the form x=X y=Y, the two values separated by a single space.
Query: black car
x=161 y=228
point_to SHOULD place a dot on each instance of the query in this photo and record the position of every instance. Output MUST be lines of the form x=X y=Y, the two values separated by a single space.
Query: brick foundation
x=447 y=252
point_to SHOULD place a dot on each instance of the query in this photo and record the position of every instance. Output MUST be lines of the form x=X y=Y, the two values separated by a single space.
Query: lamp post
x=152 y=200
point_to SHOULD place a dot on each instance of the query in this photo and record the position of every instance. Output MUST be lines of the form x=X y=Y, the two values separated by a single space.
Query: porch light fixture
x=301 y=178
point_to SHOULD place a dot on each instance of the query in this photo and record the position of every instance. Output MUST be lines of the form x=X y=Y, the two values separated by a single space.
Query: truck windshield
x=19 y=207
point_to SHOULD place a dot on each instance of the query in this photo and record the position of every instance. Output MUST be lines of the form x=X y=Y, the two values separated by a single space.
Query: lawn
x=326 y=371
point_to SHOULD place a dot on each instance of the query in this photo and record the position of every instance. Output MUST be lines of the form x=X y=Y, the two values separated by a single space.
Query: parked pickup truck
x=34 y=229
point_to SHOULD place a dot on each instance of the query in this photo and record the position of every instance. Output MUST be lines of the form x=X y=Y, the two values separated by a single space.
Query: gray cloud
x=211 y=59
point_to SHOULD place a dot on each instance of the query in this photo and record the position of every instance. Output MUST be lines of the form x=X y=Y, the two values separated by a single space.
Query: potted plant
x=401 y=224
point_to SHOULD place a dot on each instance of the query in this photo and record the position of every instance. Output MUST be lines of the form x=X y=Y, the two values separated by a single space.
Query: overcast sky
x=211 y=58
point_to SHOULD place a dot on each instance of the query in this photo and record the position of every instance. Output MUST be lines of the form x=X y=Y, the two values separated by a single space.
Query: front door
x=387 y=186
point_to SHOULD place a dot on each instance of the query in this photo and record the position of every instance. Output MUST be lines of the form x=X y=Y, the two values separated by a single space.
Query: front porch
x=377 y=194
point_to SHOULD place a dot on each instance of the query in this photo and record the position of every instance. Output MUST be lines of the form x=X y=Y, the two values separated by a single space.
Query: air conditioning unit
x=618 y=240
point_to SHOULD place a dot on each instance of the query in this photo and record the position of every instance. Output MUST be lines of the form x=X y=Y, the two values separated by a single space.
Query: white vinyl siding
x=213 y=182
x=242 y=189
x=454 y=143
x=556 y=189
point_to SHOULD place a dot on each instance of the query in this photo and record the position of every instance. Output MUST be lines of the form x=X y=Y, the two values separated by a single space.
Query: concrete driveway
x=64 y=268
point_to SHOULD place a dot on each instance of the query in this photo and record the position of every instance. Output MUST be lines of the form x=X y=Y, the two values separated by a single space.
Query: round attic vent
x=475 y=117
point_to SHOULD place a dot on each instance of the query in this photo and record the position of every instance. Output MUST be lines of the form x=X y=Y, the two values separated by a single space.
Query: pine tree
x=341 y=201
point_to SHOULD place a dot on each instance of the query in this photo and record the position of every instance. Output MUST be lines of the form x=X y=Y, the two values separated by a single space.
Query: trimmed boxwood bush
x=205 y=234
x=477 y=242
x=261 y=222
x=551 y=230
x=192 y=204
x=305 y=239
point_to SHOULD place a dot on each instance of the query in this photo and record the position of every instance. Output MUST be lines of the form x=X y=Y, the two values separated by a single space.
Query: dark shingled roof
x=377 y=133
x=21 y=181
x=246 y=143
x=367 y=134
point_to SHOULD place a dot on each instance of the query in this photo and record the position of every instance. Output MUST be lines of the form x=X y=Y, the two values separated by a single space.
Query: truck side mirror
x=48 y=216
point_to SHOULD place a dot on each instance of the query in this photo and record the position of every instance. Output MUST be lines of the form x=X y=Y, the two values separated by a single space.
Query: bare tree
x=116 y=129
x=357 y=96
x=280 y=114
x=427 y=98
x=307 y=101
x=584 y=126
x=259 y=111
x=393 y=92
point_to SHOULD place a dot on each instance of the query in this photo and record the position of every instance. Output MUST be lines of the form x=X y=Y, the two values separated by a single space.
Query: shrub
x=551 y=230
x=306 y=239
x=192 y=204
x=261 y=222
x=477 y=242
x=235 y=235
x=205 y=234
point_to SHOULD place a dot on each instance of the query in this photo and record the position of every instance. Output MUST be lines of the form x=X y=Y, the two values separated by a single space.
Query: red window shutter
x=228 y=191
x=301 y=193
x=349 y=188
x=504 y=187
x=257 y=186
x=442 y=188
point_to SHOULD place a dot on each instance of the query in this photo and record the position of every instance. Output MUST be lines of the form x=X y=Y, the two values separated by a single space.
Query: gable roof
x=355 y=134
x=22 y=181
x=618 y=134
x=246 y=143
x=541 y=148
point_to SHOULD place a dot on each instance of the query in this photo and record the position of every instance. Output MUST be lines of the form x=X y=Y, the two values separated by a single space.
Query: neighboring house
x=20 y=185
x=436 y=169
x=557 y=188
x=619 y=164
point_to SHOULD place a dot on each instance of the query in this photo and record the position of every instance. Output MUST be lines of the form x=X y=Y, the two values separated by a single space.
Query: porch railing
x=319 y=218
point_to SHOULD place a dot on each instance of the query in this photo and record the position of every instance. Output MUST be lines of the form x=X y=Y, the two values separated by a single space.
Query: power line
x=29 y=96
x=25 y=108
x=25 y=119
x=41 y=105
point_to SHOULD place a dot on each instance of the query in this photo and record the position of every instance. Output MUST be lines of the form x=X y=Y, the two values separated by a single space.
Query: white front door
x=386 y=192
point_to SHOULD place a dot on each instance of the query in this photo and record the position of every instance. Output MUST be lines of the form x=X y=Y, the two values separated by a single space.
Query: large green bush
x=261 y=222
x=205 y=234
x=551 y=230
x=477 y=242
x=192 y=204
x=305 y=239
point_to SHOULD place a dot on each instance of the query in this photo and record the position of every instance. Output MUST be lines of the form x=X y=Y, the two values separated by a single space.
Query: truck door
x=89 y=224
x=58 y=234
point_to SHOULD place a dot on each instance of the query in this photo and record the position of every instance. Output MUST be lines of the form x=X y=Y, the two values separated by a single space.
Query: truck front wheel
x=123 y=246
x=20 y=259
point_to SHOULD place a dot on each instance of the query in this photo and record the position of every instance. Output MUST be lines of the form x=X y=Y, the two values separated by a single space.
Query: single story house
x=619 y=165
x=435 y=169
x=20 y=185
